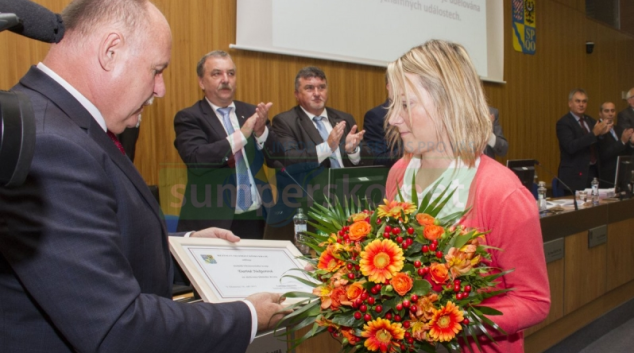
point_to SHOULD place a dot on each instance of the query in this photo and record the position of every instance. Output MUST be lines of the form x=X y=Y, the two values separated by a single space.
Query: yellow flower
x=393 y=209
x=358 y=217
x=324 y=292
x=382 y=335
x=445 y=323
x=380 y=260
x=461 y=261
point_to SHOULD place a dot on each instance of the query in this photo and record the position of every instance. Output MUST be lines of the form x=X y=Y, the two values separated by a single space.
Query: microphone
x=8 y=20
x=34 y=21
x=278 y=165
x=574 y=197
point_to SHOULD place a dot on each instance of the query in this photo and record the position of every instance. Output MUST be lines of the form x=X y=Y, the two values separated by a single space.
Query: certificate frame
x=212 y=286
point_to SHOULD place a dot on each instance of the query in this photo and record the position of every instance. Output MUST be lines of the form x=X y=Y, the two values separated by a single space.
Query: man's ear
x=110 y=50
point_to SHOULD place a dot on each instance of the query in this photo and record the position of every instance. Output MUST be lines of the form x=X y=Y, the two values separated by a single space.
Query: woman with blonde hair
x=440 y=117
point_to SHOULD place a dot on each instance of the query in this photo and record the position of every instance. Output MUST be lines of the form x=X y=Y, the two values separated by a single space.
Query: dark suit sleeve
x=287 y=147
x=625 y=118
x=567 y=140
x=194 y=145
x=501 y=144
x=374 y=137
x=609 y=148
x=64 y=244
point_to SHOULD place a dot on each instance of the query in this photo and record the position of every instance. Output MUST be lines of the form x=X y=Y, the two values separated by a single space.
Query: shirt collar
x=311 y=115
x=96 y=114
x=215 y=107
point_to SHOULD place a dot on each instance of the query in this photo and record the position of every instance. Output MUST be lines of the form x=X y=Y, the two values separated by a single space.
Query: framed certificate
x=222 y=271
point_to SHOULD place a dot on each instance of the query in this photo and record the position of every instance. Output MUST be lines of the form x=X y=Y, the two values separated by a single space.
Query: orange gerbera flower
x=393 y=209
x=380 y=260
x=424 y=219
x=328 y=261
x=445 y=323
x=402 y=283
x=359 y=230
x=382 y=335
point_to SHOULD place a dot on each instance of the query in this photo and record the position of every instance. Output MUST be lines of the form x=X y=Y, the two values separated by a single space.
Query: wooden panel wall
x=530 y=103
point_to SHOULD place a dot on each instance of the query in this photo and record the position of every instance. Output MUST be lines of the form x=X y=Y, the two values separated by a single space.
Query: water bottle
x=595 y=191
x=300 y=231
x=541 y=196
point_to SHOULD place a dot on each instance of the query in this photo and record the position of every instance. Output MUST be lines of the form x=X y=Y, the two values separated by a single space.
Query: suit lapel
x=40 y=82
x=308 y=126
x=212 y=119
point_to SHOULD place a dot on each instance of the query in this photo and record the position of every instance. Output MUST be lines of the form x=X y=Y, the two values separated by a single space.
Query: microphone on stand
x=574 y=197
x=282 y=168
x=33 y=20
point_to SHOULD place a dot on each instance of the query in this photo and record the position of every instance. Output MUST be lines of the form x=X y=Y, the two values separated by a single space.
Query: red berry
x=459 y=296
x=456 y=281
x=378 y=308
x=410 y=340
x=406 y=324
x=433 y=247
x=413 y=308
x=399 y=239
x=439 y=254
x=346 y=236
x=410 y=230
x=351 y=275
x=396 y=231
x=421 y=271
x=367 y=317
x=406 y=303
x=371 y=300
x=402 y=347
x=378 y=286
x=467 y=288
x=414 y=297
x=357 y=267
x=397 y=318
x=407 y=334
x=341 y=233
x=424 y=248
x=363 y=308
x=456 y=288
x=399 y=306
x=339 y=240
x=374 y=291
x=425 y=270
x=405 y=246
x=386 y=235
x=409 y=241
x=388 y=229
x=367 y=219
x=435 y=241
x=357 y=315
x=378 y=221
x=388 y=316
x=465 y=321
x=331 y=329
x=417 y=264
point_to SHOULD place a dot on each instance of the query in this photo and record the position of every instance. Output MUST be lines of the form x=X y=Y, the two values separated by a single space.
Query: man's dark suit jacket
x=374 y=136
x=201 y=141
x=610 y=148
x=501 y=144
x=84 y=258
x=574 y=148
x=298 y=138
x=625 y=118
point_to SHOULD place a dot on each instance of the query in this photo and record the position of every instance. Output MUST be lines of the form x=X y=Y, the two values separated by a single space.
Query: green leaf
x=426 y=199
x=421 y=287
x=344 y=320
x=414 y=192
x=487 y=310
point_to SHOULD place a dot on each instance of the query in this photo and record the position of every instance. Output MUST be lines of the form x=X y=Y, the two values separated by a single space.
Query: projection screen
x=372 y=32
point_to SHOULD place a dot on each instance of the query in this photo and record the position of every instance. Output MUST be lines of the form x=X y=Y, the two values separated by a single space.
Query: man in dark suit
x=374 y=137
x=84 y=258
x=625 y=119
x=497 y=144
x=313 y=133
x=577 y=134
x=615 y=143
x=221 y=141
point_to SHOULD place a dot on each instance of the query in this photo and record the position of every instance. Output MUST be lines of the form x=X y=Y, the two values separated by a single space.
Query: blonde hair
x=445 y=71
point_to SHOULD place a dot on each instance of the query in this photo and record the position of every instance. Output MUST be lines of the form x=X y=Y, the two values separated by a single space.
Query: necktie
x=334 y=163
x=116 y=142
x=593 y=152
x=243 y=184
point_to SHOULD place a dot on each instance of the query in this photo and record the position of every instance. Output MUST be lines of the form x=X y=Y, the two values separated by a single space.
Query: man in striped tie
x=224 y=144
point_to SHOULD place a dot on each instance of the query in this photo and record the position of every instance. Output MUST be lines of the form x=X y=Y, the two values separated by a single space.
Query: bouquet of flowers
x=395 y=279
